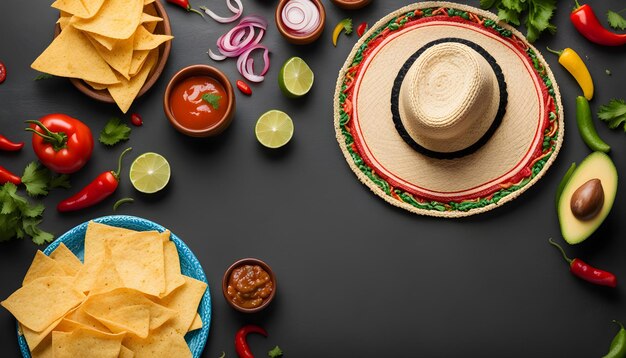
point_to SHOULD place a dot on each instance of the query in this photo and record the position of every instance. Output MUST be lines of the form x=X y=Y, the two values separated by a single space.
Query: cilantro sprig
x=613 y=113
x=616 y=20
x=114 y=132
x=539 y=14
x=212 y=99
x=275 y=352
x=19 y=218
x=38 y=180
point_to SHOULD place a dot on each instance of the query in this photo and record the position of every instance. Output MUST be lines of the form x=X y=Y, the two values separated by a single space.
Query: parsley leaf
x=616 y=20
x=19 y=218
x=212 y=99
x=614 y=113
x=39 y=180
x=510 y=16
x=114 y=132
x=347 y=25
x=43 y=76
x=275 y=352
x=539 y=14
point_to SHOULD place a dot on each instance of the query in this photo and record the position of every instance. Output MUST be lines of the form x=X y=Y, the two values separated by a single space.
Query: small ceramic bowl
x=295 y=39
x=164 y=28
x=351 y=4
x=201 y=70
x=243 y=262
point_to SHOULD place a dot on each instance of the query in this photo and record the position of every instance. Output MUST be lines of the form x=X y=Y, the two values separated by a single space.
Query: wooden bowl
x=295 y=39
x=351 y=4
x=163 y=28
x=242 y=262
x=201 y=70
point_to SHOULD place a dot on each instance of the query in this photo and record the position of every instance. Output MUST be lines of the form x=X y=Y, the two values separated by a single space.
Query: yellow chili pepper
x=569 y=59
x=345 y=24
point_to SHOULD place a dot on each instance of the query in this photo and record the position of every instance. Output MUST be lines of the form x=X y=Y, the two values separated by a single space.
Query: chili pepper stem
x=190 y=9
x=116 y=174
x=559 y=53
x=560 y=249
x=122 y=201
x=619 y=323
x=57 y=140
x=577 y=4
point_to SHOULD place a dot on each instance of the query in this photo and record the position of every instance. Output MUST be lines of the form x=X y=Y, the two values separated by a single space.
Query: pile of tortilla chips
x=128 y=299
x=110 y=44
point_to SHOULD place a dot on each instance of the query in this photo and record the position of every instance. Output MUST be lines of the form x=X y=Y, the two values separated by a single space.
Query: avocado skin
x=596 y=165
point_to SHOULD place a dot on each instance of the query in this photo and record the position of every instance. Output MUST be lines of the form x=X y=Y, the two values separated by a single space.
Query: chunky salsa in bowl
x=199 y=101
x=249 y=285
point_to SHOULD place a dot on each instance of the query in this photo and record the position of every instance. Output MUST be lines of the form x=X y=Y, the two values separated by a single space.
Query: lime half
x=150 y=172
x=274 y=129
x=295 y=78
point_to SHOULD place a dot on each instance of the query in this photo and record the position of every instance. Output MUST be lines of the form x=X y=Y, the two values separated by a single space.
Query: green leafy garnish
x=537 y=20
x=616 y=20
x=19 y=218
x=614 y=113
x=114 y=132
x=347 y=25
x=212 y=99
x=38 y=180
x=275 y=352
x=43 y=76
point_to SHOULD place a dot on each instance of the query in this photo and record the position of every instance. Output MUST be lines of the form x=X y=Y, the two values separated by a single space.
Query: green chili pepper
x=618 y=345
x=586 y=128
x=559 y=189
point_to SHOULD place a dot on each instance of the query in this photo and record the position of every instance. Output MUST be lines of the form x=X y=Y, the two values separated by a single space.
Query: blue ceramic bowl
x=189 y=265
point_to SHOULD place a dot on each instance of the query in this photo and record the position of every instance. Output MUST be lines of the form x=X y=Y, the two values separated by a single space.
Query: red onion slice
x=300 y=17
x=237 y=11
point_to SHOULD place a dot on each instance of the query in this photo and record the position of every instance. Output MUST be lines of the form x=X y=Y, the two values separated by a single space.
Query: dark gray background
x=356 y=276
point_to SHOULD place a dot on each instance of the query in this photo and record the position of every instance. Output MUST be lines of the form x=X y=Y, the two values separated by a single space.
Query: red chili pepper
x=136 y=120
x=587 y=23
x=185 y=5
x=361 y=29
x=62 y=143
x=7 y=177
x=587 y=272
x=9 y=146
x=3 y=72
x=244 y=88
x=241 y=346
x=102 y=187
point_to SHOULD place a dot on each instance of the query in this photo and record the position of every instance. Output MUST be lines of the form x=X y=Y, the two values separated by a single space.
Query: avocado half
x=596 y=166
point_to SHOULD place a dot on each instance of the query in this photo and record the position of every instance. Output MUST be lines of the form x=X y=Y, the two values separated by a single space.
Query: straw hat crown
x=449 y=97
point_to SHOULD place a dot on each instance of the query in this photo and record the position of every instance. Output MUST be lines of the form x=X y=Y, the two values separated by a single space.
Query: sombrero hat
x=444 y=111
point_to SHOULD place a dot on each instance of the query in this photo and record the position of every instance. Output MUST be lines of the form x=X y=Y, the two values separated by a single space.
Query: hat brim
x=515 y=157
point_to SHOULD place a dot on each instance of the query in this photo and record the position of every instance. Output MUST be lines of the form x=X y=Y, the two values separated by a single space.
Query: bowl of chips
x=117 y=284
x=119 y=48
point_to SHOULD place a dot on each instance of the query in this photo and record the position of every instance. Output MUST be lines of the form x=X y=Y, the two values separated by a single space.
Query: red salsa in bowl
x=249 y=285
x=199 y=101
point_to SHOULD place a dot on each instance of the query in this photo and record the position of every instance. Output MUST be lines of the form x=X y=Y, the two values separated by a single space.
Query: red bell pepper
x=587 y=23
x=62 y=143
x=99 y=189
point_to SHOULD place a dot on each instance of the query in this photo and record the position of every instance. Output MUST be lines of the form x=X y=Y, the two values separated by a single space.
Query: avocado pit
x=587 y=200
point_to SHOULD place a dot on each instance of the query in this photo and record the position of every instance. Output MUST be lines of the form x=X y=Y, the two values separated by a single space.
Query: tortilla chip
x=43 y=266
x=173 y=277
x=119 y=57
x=66 y=258
x=35 y=338
x=106 y=42
x=163 y=342
x=37 y=305
x=126 y=353
x=79 y=316
x=72 y=55
x=63 y=21
x=96 y=86
x=86 y=343
x=139 y=58
x=82 y=9
x=185 y=300
x=146 y=2
x=125 y=92
x=150 y=22
x=196 y=324
x=117 y=19
x=107 y=278
x=144 y=40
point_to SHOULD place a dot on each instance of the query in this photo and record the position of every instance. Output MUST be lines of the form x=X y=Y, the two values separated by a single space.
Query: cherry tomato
x=3 y=72
x=136 y=120
x=244 y=88
x=62 y=143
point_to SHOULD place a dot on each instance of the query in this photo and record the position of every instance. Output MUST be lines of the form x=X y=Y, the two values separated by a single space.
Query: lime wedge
x=150 y=172
x=274 y=129
x=295 y=78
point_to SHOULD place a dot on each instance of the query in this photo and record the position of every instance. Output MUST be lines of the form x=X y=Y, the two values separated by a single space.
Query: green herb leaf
x=212 y=99
x=614 y=113
x=488 y=4
x=36 y=179
x=539 y=14
x=114 y=132
x=347 y=25
x=515 y=5
x=616 y=20
x=508 y=15
x=19 y=218
x=43 y=76
x=60 y=181
x=275 y=352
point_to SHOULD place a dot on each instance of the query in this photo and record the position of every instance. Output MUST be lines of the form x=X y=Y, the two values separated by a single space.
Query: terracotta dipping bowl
x=201 y=70
x=351 y=4
x=163 y=28
x=243 y=262
x=295 y=39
